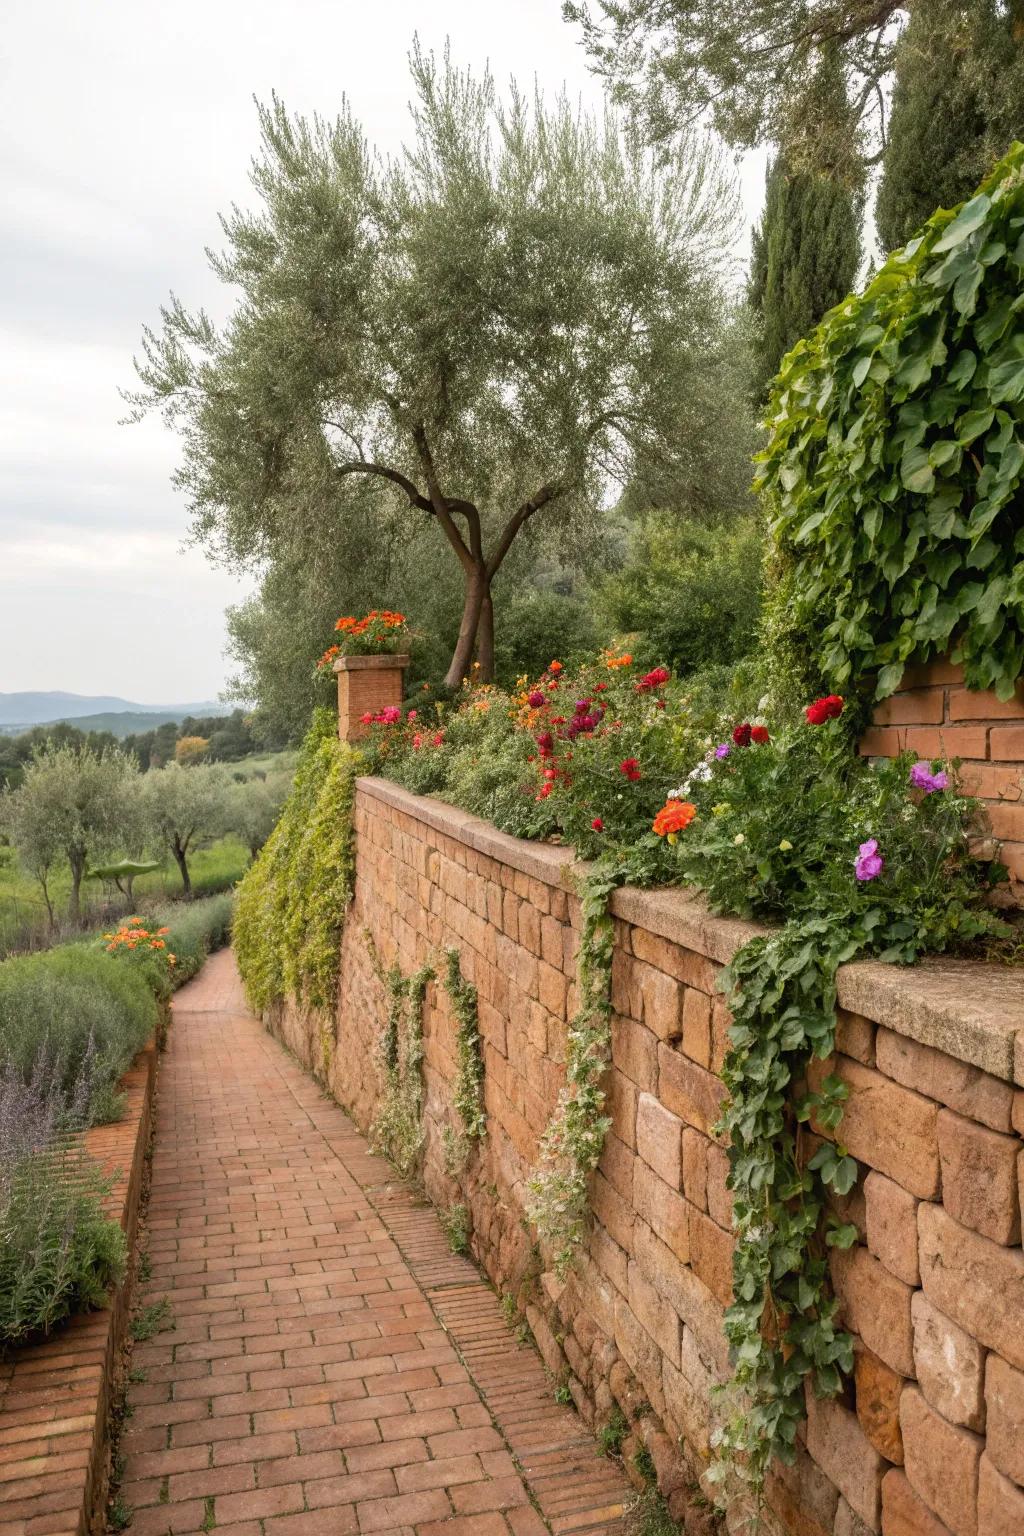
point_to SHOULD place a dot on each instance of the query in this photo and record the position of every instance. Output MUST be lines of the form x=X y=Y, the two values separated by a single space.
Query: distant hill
x=19 y=711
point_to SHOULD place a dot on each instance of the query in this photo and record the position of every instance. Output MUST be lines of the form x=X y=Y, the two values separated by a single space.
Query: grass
x=216 y=868
x=158 y=1317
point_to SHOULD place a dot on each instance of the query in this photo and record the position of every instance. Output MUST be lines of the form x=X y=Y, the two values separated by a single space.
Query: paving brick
x=339 y=1404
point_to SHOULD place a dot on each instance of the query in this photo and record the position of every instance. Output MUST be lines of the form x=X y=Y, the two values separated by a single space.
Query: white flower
x=739 y=838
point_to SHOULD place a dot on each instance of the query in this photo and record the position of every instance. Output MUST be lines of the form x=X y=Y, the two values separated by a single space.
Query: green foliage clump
x=59 y=1252
x=957 y=102
x=468 y=1096
x=81 y=1012
x=687 y=596
x=397 y=1130
x=571 y=1146
x=456 y=1223
x=896 y=461
x=291 y=905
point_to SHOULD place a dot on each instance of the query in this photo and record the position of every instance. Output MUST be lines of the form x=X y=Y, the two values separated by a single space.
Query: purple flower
x=921 y=777
x=869 y=863
x=722 y=750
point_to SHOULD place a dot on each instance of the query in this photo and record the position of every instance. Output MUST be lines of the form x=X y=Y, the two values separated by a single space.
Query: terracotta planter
x=367 y=684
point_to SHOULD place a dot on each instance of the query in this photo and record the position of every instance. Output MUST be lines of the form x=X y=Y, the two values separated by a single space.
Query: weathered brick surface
x=1004 y=1401
x=929 y=1289
x=949 y=1365
x=941 y=1462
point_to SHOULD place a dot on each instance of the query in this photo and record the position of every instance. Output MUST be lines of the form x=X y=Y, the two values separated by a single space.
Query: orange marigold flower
x=674 y=817
x=556 y=666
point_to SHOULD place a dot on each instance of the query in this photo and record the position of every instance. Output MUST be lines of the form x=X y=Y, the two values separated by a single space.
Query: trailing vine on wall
x=571 y=1146
x=291 y=904
x=397 y=1129
x=467 y=1097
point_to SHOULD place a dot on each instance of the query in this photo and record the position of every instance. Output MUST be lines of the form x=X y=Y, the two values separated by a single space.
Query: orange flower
x=556 y=666
x=674 y=817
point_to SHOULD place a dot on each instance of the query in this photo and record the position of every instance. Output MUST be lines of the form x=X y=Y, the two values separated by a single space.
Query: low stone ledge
x=55 y=1396
x=969 y=1009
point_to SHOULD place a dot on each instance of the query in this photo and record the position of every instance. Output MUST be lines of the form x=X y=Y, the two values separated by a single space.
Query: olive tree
x=497 y=326
x=185 y=807
x=741 y=64
x=73 y=805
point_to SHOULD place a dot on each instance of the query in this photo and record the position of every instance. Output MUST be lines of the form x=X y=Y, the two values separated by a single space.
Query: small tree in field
x=191 y=749
x=72 y=806
x=184 y=807
x=504 y=322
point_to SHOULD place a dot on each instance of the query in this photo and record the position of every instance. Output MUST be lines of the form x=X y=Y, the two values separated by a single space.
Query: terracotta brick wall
x=928 y=1439
x=935 y=715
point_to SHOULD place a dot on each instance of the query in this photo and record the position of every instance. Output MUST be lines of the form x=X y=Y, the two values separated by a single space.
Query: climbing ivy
x=469 y=1078
x=291 y=904
x=397 y=1129
x=895 y=465
x=571 y=1146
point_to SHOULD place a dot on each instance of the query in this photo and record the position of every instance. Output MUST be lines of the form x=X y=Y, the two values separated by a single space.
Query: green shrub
x=80 y=1010
x=59 y=1252
x=687 y=596
x=535 y=624
x=896 y=461
x=292 y=902
x=197 y=928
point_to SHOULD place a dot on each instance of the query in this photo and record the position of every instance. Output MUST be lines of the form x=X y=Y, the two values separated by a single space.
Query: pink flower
x=536 y=699
x=722 y=750
x=921 y=777
x=869 y=862
x=411 y=715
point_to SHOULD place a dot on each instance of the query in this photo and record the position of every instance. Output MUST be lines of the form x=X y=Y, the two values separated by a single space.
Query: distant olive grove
x=82 y=813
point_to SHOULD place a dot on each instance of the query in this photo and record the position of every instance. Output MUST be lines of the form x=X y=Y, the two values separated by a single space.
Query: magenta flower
x=537 y=699
x=722 y=750
x=921 y=777
x=869 y=863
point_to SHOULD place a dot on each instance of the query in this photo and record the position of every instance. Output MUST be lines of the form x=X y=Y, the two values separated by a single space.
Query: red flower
x=742 y=735
x=600 y=687
x=597 y=825
x=652 y=680
x=759 y=733
x=631 y=768
x=828 y=708
x=545 y=743
x=536 y=699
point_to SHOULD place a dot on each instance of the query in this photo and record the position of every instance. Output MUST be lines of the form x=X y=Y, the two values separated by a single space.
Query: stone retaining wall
x=929 y=1438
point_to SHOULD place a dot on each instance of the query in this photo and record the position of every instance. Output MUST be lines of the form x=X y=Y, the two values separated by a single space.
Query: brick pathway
x=333 y=1369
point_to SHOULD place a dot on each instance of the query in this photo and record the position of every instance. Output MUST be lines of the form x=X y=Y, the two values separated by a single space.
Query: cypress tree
x=807 y=249
x=957 y=104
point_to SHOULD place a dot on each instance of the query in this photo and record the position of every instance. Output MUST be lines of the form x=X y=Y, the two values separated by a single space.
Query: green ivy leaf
x=971 y=217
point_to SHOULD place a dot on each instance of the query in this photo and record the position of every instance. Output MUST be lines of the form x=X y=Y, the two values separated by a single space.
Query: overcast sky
x=125 y=126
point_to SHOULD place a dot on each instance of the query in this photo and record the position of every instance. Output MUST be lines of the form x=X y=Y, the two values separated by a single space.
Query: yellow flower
x=785 y=846
x=721 y=808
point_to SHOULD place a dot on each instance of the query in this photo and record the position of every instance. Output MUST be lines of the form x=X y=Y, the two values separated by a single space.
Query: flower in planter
x=828 y=708
x=869 y=862
x=378 y=631
x=922 y=777
x=674 y=817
